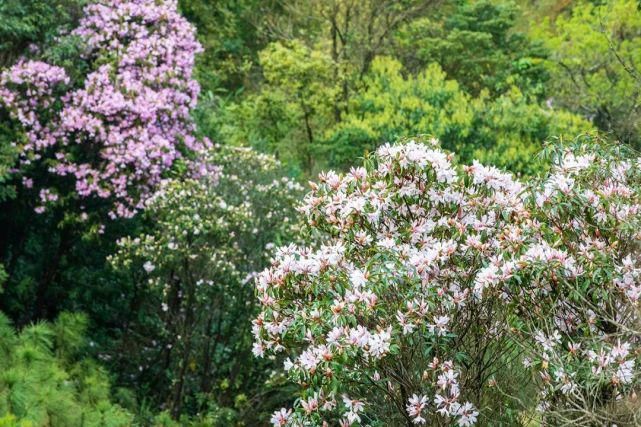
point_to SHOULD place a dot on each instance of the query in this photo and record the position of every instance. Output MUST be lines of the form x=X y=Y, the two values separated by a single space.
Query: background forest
x=126 y=278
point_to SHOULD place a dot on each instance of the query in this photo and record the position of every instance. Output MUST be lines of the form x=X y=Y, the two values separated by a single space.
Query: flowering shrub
x=379 y=303
x=427 y=279
x=574 y=282
x=129 y=121
x=209 y=237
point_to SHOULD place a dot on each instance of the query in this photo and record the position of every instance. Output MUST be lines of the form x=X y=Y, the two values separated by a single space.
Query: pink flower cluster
x=124 y=127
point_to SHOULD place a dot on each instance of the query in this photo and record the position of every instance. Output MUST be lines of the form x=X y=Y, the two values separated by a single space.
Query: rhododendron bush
x=574 y=283
x=194 y=268
x=428 y=282
x=117 y=132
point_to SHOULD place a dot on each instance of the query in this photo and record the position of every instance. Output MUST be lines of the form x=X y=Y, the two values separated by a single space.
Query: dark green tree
x=476 y=44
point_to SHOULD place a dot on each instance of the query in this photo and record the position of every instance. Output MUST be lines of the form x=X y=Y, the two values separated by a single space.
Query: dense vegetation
x=163 y=263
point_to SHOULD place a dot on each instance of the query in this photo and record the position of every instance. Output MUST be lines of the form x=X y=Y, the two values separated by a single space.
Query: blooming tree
x=425 y=278
x=383 y=301
x=128 y=122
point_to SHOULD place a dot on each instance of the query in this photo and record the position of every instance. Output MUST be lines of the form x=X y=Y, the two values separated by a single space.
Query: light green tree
x=596 y=63
x=392 y=105
x=292 y=110
x=511 y=130
x=507 y=131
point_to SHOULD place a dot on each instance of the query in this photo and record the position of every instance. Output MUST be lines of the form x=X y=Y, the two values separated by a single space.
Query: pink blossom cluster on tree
x=129 y=121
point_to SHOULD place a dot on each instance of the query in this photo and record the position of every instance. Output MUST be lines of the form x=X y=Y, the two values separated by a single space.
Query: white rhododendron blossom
x=199 y=255
x=575 y=285
x=426 y=277
x=394 y=270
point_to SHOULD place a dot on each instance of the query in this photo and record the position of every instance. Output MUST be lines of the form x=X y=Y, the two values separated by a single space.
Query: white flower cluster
x=404 y=240
x=412 y=253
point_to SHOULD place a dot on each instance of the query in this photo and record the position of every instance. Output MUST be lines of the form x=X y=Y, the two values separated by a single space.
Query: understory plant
x=45 y=380
x=192 y=272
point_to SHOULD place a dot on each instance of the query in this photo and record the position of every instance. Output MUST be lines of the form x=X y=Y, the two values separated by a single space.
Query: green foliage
x=292 y=110
x=476 y=45
x=392 y=106
x=469 y=79
x=8 y=154
x=191 y=271
x=317 y=84
x=595 y=64
x=3 y=275
x=33 y=22
x=510 y=130
x=229 y=32
x=507 y=131
x=45 y=381
x=352 y=33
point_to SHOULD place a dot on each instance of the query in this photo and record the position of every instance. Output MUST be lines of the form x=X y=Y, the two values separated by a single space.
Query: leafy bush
x=29 y=24
x=381 y=310
x=572 y=281
x=191 y=271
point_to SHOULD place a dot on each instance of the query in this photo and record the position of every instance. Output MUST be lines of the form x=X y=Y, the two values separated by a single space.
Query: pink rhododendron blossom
x=118 y=132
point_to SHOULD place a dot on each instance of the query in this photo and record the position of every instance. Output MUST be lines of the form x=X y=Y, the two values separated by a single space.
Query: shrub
x=191 y=271
x=429 y=284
